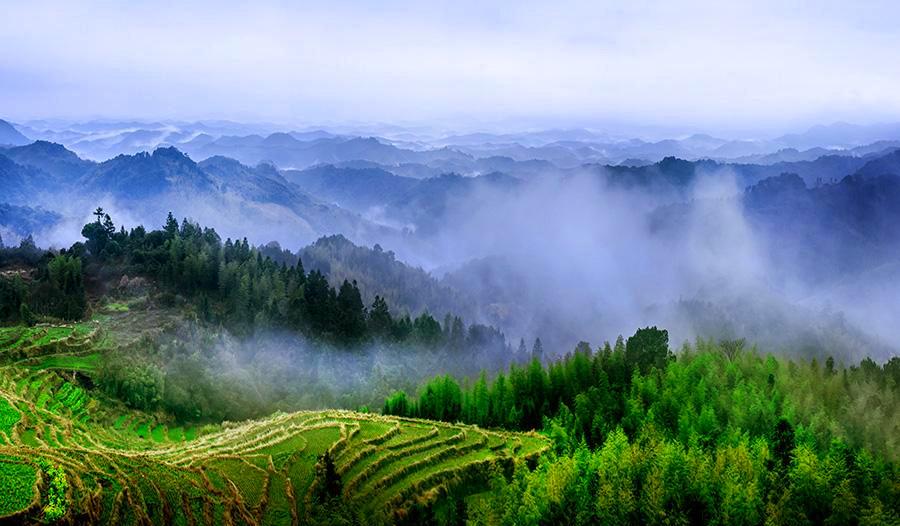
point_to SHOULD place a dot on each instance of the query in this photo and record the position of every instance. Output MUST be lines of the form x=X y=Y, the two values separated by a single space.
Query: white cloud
x=713 y=64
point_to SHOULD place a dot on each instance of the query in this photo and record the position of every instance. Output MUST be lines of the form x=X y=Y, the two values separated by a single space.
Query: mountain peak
x=169 y=152
x=280 y=140
x=11 y=136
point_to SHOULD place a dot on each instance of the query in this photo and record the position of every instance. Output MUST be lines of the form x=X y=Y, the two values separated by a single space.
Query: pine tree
x=380 y=321
x=351 y=313
x=171 y=227
x=108 y=225
x=537 y=351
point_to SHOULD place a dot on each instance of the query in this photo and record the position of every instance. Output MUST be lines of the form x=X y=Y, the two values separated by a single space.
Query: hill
x=144 y=175
x=67 y=454
x=378 y=272
x=353 y=188
x=10 y=135
x=22 y=221
x=289 y=152
x=20 y=183
x=54 y=159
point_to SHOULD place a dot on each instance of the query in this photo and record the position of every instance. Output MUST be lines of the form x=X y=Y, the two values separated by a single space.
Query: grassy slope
x=124 y=467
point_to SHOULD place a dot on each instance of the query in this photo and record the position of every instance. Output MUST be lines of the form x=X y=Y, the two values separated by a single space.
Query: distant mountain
x=819 y=233
x=20 y=183
x=675 y=176
x=786 y=155
x=840 y=134
x=528 y=139
x=145 y=175
x=264 y=185
x=425 y=205
x=888 y=164
x=260 y=183
x=20 y=221
x=64 y=165
x=353 y=188
x=9 y=135
x=288 y=152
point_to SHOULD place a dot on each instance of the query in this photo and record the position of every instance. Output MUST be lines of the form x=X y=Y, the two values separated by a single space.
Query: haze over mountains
x=565 y=234
x=384 y=144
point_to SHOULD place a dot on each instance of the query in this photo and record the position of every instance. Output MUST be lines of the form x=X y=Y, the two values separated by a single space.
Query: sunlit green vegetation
x=84 y=363
x=715 y=434
x=9 y=416
x=274 y=464
x=16 y=485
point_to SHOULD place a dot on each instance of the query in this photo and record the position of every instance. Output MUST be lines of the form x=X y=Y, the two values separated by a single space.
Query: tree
x=457 y=332
x=328 y=479
x=426 y=329
x=537 y=350
x=108 y=225
x=649 y=347
x=522 y=351
x=61 y=294
x=397 y=404
x=351 y=315
x=13 y=293
x=25 y=315
x=783 y=443
x=319 y=304
x=96 y=236
x=171 y=227
x=380 y=320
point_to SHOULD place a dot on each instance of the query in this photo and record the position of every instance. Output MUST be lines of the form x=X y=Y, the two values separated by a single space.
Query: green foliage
x=9 y=416
x=57 y=505
x=13 y=293
x=235 y=284
x=720 y=435
x=648 y=348
x=16 y=485
x=140 y=385
x=60 y=291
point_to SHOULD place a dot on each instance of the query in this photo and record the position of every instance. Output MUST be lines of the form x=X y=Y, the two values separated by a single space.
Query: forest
x=230 y=283
x=713 y=434
x=639 y=431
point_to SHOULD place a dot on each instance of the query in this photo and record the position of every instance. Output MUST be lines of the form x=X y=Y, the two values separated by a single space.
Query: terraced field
x=21 y=343
x=125 y=467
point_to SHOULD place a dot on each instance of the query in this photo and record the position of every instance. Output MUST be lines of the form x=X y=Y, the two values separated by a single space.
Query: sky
x=716 y=66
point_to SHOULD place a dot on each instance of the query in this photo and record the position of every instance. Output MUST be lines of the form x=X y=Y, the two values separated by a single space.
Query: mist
x=572 y=259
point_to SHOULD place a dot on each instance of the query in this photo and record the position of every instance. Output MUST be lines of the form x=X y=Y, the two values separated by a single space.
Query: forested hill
x=236 y=285
x=379 y=272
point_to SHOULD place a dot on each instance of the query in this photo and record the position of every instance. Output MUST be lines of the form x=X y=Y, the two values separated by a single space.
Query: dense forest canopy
x=715 y=434
x=232 y=283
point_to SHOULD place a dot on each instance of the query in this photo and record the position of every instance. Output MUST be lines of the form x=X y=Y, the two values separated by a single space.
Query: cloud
x=757 y=65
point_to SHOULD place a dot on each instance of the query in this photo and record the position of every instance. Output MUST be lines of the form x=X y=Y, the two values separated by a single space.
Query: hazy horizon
x=462 y=66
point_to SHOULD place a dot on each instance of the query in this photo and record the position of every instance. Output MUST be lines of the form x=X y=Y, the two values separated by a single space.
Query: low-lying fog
x=571 y=258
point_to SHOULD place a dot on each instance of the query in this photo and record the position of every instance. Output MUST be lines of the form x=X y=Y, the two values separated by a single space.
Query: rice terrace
x=122 y=467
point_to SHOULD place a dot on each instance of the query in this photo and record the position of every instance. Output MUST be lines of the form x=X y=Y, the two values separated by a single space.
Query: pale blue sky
x=718 y=65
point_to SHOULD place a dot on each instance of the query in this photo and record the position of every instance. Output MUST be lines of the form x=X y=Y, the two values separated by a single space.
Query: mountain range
x=467 y=209
x=395 y=146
